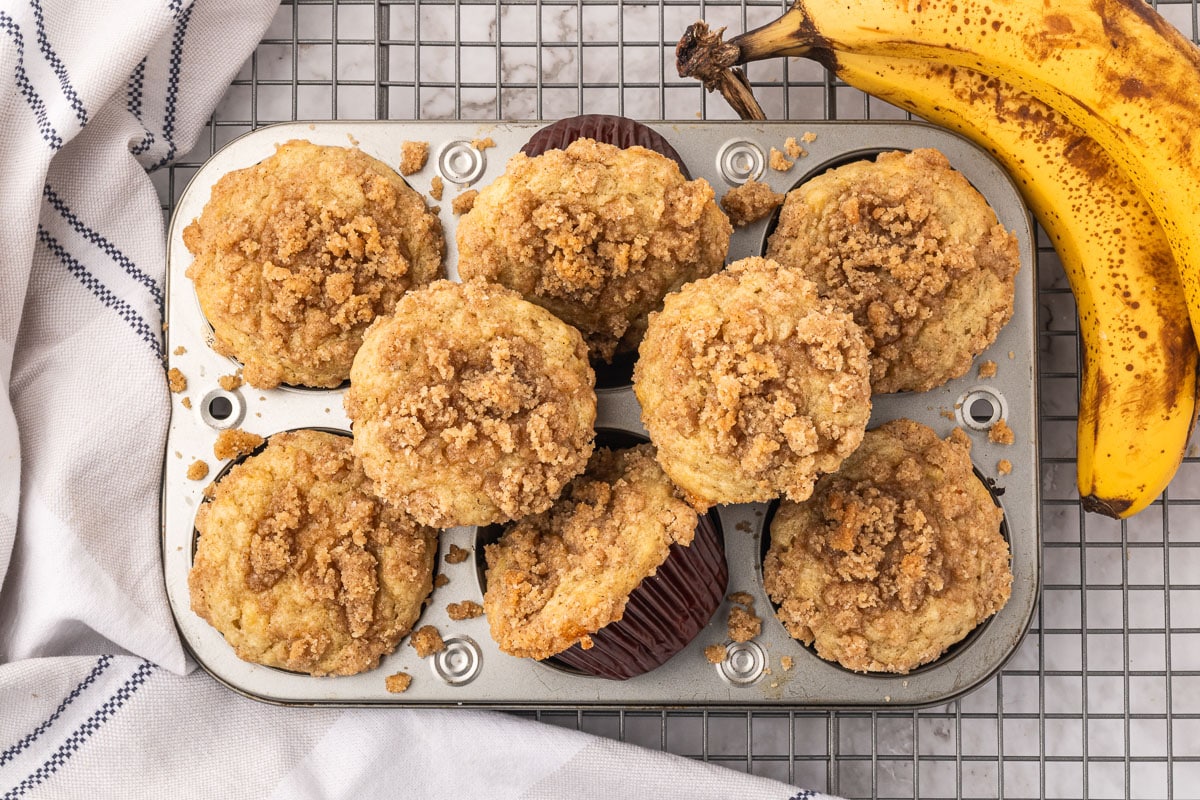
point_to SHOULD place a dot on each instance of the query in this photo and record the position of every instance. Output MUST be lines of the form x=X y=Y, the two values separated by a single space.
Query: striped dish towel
x=97 y=697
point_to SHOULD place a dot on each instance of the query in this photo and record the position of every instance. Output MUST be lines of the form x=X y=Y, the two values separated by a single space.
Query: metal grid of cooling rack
x=1103 y=697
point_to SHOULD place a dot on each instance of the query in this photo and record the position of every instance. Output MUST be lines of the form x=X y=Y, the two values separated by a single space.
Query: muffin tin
x=472 y=670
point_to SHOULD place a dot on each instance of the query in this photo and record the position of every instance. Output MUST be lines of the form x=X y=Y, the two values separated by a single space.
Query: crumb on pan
x=744 y=624
x=457 y=555
x=778 y=162
x=179 y=350
x=464 y=202
x=987 y=369
x=413 y=156
x=440 y=580
x=235 y=442
x=351 y=138
x=398 y=682
x=467 y=609
x=483 y=144
x=714 y=653
x=787 y=662
x=742 y=598
x=1004 y=466
x=793 y=148
x=1000 y=433
x=436 y=187
x=750 y=202
x=186 y=402
x=809 y=137
x=197 y=470
x=230 y=382
x=176 y=380
x=426 y=641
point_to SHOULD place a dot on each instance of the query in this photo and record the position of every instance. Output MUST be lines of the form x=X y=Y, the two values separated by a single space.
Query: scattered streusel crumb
x=1004 y=466
x=793 y=148
x=398 y=683
x=586 y=643
x=778 y=162
x=1000 y=433
x=947 y=414
x=1011 y=355
x=436 y=186
x=809 y=137
x=176 y=380
x=440 y=580
x=180 y=350
x=482 y=144
x=744 y=624
x=467 y=609
x=715 y=653
x=457 y=555
x=350 y=138
x=230 y=382
x=750 y=202
x=787 y=662
x=178 y=454
x=197 y=471
x=235 y=442
x=744 y=598
x=987 y=369
x=186 y=402
x=427 y=641
x=413 y=156
x=464 y=202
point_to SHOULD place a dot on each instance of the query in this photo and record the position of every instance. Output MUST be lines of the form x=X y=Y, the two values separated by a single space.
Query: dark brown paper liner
x=606 y=128
x=664 y=613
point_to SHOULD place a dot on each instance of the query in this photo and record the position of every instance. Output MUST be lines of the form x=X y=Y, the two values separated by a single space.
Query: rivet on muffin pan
x=739 y=160
x=459 y=162
x=459 y=663
x=980 y=407
x=221 y=409
x=744 y=664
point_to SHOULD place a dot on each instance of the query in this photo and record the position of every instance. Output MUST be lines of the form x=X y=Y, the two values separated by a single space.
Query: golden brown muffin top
x=751 y=385
x=471 y=405
x=895 y=557
x=595 y=233
x=909 y=248
x=296 y=255
x=559 y=576
x=301 y=567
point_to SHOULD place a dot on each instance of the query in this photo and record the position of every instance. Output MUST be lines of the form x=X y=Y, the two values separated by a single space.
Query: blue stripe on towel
x=12 y=752
x=56 y=63
x=36 y=104
x=108 y=248
x=81 y=734
x=173 y=70
x=102 y=292
x=133 y=95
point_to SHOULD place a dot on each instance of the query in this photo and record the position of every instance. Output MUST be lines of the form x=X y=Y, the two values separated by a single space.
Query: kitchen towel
x=97 y=695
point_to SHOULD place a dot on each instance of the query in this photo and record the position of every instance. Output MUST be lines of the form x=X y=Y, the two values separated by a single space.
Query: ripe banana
x=1137 y=397
x=1115 y=68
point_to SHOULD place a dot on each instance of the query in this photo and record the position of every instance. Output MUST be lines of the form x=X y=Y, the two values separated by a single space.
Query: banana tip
x=1115 y=507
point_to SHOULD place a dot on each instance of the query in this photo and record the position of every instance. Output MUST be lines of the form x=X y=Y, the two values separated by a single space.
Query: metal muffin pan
x=472 y=670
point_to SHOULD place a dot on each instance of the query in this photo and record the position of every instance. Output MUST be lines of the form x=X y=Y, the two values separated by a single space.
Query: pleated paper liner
x=606 y=128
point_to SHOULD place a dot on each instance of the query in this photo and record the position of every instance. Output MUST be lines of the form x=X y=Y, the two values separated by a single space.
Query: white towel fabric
x=97 y=696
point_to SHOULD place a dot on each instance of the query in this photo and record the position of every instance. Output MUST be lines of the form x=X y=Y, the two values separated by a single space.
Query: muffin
x=295 y=256
x=751 y=385
x=597 y=234
x=301 y=567
x=470 y=405
x=908 y=247
x=895 y=557
x=618 y=576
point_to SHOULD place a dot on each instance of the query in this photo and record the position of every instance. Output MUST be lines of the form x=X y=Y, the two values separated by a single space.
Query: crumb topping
x=457 y=555
x=750 y=202
x=464 y=202
x=413 y=156
x=180 y=350
x=596 y=234
x=1004 y=466
x=471 y=406
x=908 y=247
x=557 y=577
x=778 y=162
x=467 y=609
x=398 y=682
x=787 y=662
x=793 y=148
x=230 y=382
x=436 y=187
x=895 y=557
x=751 y=385
x=440 y=580
x=176 y=380
x=714 y=653
x=186 y=402
x=426 y=641
x=744 y=624
x=483 y=144
x=987 y=369
x=1000 y=433
x=295 y=256
x=197 y=470
x=235 y=442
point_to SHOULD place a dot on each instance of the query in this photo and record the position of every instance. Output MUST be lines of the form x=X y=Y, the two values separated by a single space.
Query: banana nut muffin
x=908 y=247
x=751 y=385
x=595 y=233
x=895 y=557
x=470 y=405
x=296 y=255
x=301 y=567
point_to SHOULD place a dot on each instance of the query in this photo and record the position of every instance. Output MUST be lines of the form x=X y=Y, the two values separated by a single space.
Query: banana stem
x=792 y=34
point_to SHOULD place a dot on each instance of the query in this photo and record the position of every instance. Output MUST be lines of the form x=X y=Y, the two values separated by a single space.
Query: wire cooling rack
x=1103 y=697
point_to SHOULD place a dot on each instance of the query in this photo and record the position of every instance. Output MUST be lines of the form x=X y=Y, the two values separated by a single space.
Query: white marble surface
x=1101 y=676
